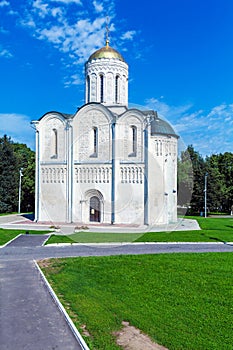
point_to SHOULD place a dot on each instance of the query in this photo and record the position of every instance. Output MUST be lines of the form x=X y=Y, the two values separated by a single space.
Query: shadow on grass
x=213 y=238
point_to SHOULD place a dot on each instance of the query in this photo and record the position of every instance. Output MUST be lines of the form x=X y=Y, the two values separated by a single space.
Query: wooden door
x=94 y=209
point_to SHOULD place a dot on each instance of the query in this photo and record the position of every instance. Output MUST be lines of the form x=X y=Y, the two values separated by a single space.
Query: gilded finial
x=107 y=31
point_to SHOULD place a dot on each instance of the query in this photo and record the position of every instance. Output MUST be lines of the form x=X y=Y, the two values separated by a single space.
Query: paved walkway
x=28 y=240
x=29 y=319
x=15 y=221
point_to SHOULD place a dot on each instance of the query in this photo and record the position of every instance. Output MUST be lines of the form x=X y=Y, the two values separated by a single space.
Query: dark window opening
x=117 y=89
x=54 y=144
x=95 y=142
x=101 y=88
x=134 y=141
x=88 y=89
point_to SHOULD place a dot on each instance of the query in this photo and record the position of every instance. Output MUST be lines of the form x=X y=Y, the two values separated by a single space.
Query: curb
x=133 y=243
x=70 y=323
x=48 y=236
x=3 y=246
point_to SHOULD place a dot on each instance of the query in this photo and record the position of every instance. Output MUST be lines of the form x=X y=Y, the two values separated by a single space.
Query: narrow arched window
x=54 y=144
x=134 y=138
x=133 y=141
x=117 y=89
x=95 y=139
x=88 y=89
x=94 y=142
x=101 y=88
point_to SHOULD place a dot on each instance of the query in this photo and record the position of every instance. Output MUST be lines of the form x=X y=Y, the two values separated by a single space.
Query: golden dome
x=106 y=52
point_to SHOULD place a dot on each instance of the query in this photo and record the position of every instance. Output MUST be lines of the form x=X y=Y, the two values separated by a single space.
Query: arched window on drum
x=101 y=88
x=88 y=89
x=117 y=79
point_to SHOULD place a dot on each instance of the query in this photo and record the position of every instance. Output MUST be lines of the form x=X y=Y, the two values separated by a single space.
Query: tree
x=8 y=176
x=216 y=187
x=191 y=179
x=225 y=164
x=26 y=161
x=13 y=157
x=184 y=179
x=192 y=169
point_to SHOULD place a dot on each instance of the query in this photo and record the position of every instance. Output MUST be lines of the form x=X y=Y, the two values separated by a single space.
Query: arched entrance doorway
x=95 y=209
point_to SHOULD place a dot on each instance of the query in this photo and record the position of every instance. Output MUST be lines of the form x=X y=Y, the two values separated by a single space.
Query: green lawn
x=94 y=237
x=212 y=230
x=182 y=301
x=6 y=235
x=4 y=214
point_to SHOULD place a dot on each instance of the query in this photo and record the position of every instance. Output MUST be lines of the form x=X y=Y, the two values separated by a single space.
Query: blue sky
x=180 y=56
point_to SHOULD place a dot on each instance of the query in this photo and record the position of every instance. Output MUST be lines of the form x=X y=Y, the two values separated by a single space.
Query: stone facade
x=106 y=163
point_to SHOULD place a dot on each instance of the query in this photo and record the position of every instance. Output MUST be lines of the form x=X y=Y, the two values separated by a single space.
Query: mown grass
x=6 y=235
x=4 y=214
x=212 y=230
x=182 y=301
x=94 y=237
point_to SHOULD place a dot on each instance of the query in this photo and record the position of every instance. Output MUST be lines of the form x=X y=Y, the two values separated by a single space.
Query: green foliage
x=183 y=301
x=8 y=176
x=13 y=157
x=192 y=168
x=225 y=163
x=26 y=161
x=185 y=178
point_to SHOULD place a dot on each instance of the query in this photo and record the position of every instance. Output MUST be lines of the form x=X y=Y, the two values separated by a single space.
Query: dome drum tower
x=106 y=75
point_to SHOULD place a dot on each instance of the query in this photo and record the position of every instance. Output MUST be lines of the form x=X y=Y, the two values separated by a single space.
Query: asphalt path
x=27 y=251
x=29 y=319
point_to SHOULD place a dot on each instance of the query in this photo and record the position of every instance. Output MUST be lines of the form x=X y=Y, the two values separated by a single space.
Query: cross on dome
x=107 y=31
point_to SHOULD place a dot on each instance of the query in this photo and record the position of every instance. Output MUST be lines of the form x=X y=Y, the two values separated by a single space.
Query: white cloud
x=98 y=6
x=41 y=8
x=4 y=3
x=18 y=127
x=76 y=36
x=67 y=2
x=129 y=35
x=12 y=13
x=164 y=109
x=208 y=131
x=28 y=22
x=57 y=12
x=5 y=53
x=75 y=79
x=79 y=39
x=54 y=35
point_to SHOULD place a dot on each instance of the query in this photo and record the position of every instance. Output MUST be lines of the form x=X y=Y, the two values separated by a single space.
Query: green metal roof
x=159 y=126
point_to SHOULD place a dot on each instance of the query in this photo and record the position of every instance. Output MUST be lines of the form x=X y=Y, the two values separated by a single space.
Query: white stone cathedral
x=106 y=163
